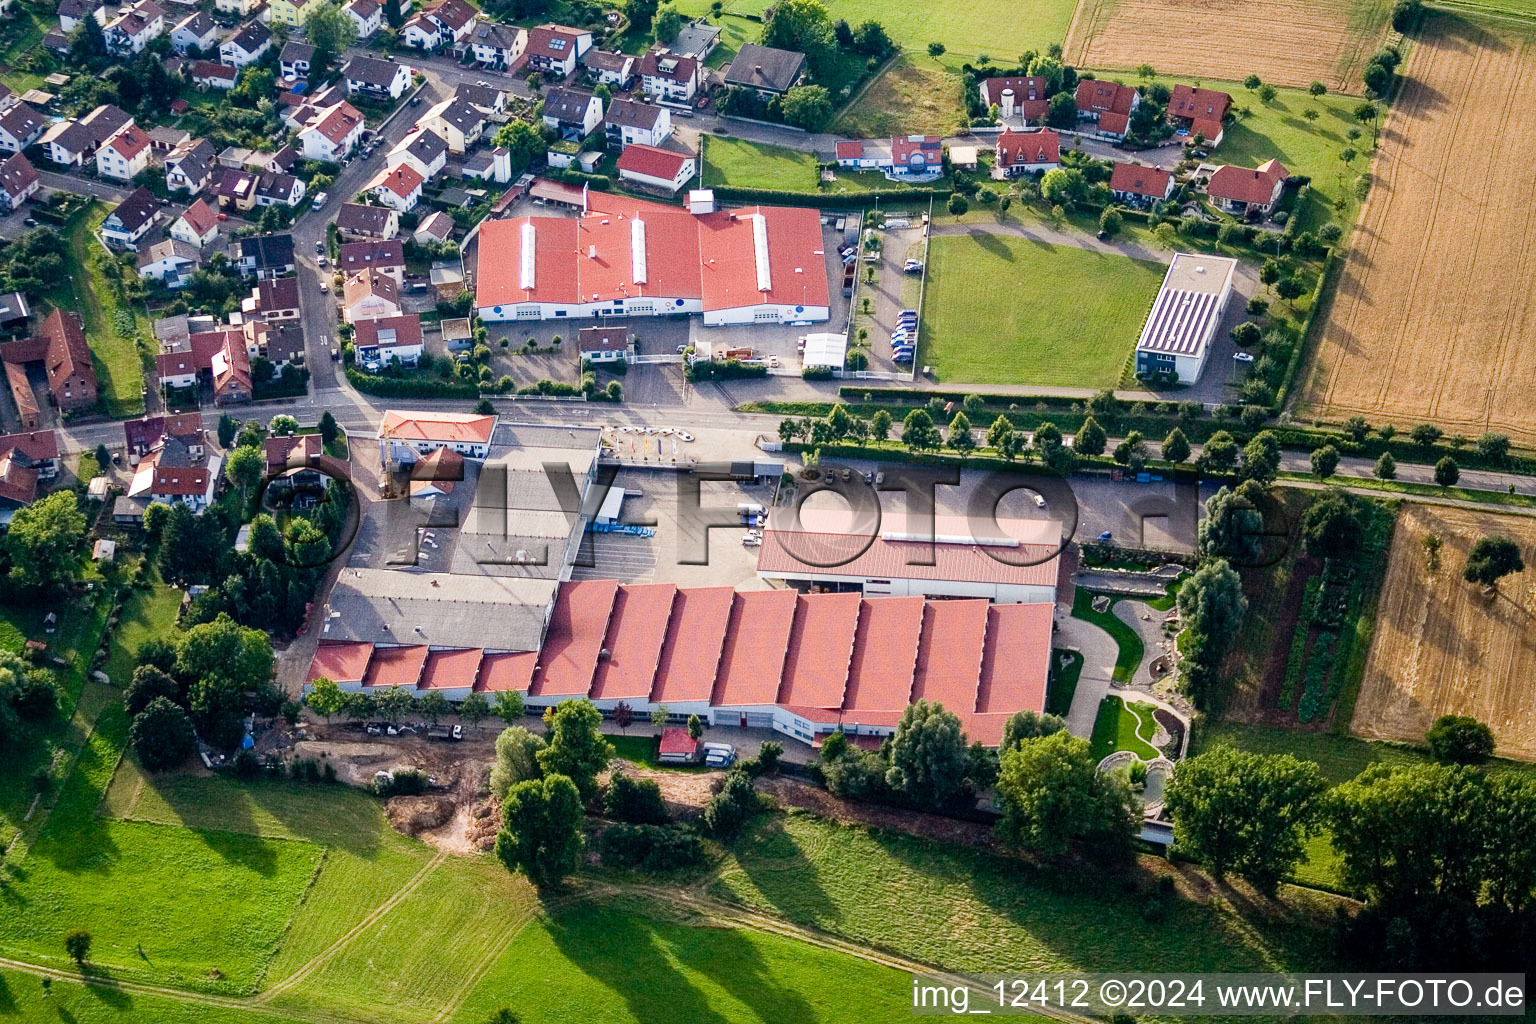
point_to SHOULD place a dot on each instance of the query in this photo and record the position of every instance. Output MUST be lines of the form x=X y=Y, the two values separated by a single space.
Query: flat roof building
x=1185 y=317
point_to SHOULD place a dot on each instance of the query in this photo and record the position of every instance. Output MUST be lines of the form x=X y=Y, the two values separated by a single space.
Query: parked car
x=1106 y=537
x=324 y=288
x=913 y=266
x=319 y=247
x=719 y=755
x=320 y=198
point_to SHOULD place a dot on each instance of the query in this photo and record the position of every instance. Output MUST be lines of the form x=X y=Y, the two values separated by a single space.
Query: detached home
x=72 y=12
x=440 y=24
x=573 y=113
x=332 y=134
x=384 y=256
x=189 y=167
x=197 y=225
x=1108 y=105
x=20 y=126
x=423 y=150
x=196 y=32
x=629 y=122
x=274 y=299
x=497 y=46
x=378 y=78
x=134 y=29
x=357 y=221
x=615 y=69
x=460 y=124
x=398 y=187
x=246 y=46
x=369 y=295
x=1017 y=98
x=367 y=15
x=1135 y=185
x=1197 y=111
x=669 y=77
x=18 y=182
x=553 y=50
x=289 y=12
x=295 y=59
x=124 y=154
x=207 y=74
x=133 y=217
x=657 y=168
x=603 y=344
x=487 y=99
x=67 y=143
x=1027 y=153
x=264 y=256
x=170 y=262
x=1244 y=192
x=766 y=70
x=380 y=341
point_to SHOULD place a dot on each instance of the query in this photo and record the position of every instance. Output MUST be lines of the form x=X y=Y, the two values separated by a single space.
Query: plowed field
x=1284 y=42
x=1443 y=646
x=1433 y=317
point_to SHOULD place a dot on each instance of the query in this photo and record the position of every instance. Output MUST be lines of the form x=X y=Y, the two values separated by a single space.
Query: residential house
x=218 y=356
x=207 y=74
x=435 y=228
x=378 y=342
x=239 y=8
x=380 y=79
x=1026 y=153
x=356 y=221
x=289 y=12
x=574 y=113
x=263 y=256
x=133 y=217
x=332 y=133
x=457 y=122
x=273 y=299
x=369 y=295
x=657 y=168
x=398 y=187
x=105 y=121
x=603 y=344
x=66 y=360
x=72 y=12
x=274 y=189
x=487 y=99
x=384 y=256
x=405 y=437
x=1197 y=111
x=56 y=43
x=294 y=452
x=553 y=50
x=18 y=484
x=143 y=435
x=766 y=70
x=169 y=474
x=697 y=39
x=20 y=126
x=197 y=33
x=367 y=15
x=423 y=150
x=295 y=59
x=67 y=143
x=246 y=46
x=440 y=24
x=280 y=343
x=1016 y=98
x=197 y=225
x=905 y=156
x=170 y=262
x=669 y=77
x=1244 y=192
x=629 y=122
x=1139 y=186
x=1108 y=104
x=189 y=167
x=124 y=154
x=610 y=68
x=497 y=46
x=135 y=28
x=18 y=182
x=235 y=190
x=490 y=165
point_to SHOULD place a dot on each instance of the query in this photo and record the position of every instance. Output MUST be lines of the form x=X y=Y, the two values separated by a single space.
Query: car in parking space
x=324 y=288
x=320 y=198
x=912 y=267
x=719 y=755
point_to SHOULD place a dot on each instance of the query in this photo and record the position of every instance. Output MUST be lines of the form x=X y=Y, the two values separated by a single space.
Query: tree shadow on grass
x=622 y=953
x=8 y=1005
x=784 y=874
x=116 y=998
x=993 y=244
x=735 y=963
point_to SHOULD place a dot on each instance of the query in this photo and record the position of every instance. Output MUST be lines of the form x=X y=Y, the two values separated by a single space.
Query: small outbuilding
x=824 y=350
x=677 y=747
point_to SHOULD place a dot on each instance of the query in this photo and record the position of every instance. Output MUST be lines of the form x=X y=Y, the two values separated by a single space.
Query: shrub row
x=653 y=848
x=829 y=200
x=410 y=387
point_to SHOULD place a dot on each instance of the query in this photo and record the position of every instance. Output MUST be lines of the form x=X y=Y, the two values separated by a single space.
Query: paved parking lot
x=891 y=291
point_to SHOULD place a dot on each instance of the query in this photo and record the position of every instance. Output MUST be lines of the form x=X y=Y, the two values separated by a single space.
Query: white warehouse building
x=1185 y=317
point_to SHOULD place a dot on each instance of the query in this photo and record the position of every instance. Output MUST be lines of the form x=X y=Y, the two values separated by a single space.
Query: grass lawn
x=1067 y=666
x=145 y=614
x=994 y=311
x=1129 y=641
x=745 y=164
x=970 y=910
x=1122 y=726
x=114 y=329
x=915 y=93
x=23 y=998
x=641 y=749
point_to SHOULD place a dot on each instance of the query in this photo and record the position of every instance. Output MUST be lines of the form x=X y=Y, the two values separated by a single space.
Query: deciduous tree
x=1459 y=739
x=46 y=542
x=1491 y=559
x=1052 y=795
x=576 y=747
x=541 y=829
x=517 y=759
x=161 y=735
x=927 y=756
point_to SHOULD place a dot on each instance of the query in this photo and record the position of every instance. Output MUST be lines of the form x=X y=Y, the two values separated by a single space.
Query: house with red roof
x=197 y=225
x=1139 y=186
x=1246 y=192
x=1197 y=111
x=18 y=182
x=553 y=50
x=1108 y=104
x=405 y=437
x=669 y=77
x=218 y=357
x=653 y=167
x=1019 y=98
x=124 y=154
x=380 y=341
x=332 y=133
x=169 y=474
x=398 y=187
x=904 y=157
x=626 y=256
x=61 y=349
x=1026 y=152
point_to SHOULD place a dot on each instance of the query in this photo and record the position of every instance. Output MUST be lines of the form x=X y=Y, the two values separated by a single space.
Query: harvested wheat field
x=1444 y=646
x=1433 y=317
x=1284 y=42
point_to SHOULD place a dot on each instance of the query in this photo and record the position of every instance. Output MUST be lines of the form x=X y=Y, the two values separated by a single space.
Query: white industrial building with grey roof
x=1185 y=316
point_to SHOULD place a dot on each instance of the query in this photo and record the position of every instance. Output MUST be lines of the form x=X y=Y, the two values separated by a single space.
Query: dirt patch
x=1445 y=646
x=685 y=793
x=413 y=815
x=1433 y=314
x=1286 y=42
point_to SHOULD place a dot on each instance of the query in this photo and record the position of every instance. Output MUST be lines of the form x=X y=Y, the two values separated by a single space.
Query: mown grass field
x=23 y=998
x=1123 y=726
x=970 y=910
x=997 y=311
x=1131 y=648
x=744 y=164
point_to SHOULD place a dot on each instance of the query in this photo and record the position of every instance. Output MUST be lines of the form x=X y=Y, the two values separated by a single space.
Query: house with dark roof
x=487 y=99
x=143 y=434
x=273 y=299
x=18 y=182
x=553 y=50
x=497 y=46
x=189 y=167
x=610 y=68
x=263 y=256
x=280 y=343
x=210 y=74
x=170 y=261
x=459 y=123
x=574 y=113
x=67 y=143
x=134 y=29
x=133 y=217
x=387 y=256
x=295 y=59
x=20 y=126
x=627 y=122
x=766 y=70
x=1108 y=104
x=440 y=24
x=380 y=341
x=355 y=221
x=71 y=12
x=197 y=31
x=606 y=344
x=371 y=76
x=669 y=77
x=1138 y=186
x=246 y=46
x=170 y=474
x=423 y=150
x=1247 y=192
x=367 y=15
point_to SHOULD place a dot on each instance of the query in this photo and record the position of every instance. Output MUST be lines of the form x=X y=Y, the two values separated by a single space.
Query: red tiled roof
x=443 y=426
x=294 y=450
x=1028 y=94
x=450 y=670
x=757 y=640
x=695 y=638
x=574 y=638
x=1101 y=97
x=1139 y=180
x=636 y=630
x=506 y=670
x=1208 y=129
x=1041 y=147
x=1245 y=185
x=850 y=150
x=340 y=662
x=1016 y=659
x=653 y=161
x=675 y=740
x=373 y=252
x=338 y=122
x=929 y=147
x=212 y=69
x=539 y=40
x=130 y=142
x=949 y=654
x=35 y=445
x=200 y=217
x=884 y=654
x=402 y=180
x=1115 y=124
x=1193 y=102
x=396 y=666
x=18 y=483
x=820 y=648
x=407 y=330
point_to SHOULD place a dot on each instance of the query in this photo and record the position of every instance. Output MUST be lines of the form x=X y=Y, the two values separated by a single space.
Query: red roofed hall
x=627 y=256
x=656 y=167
